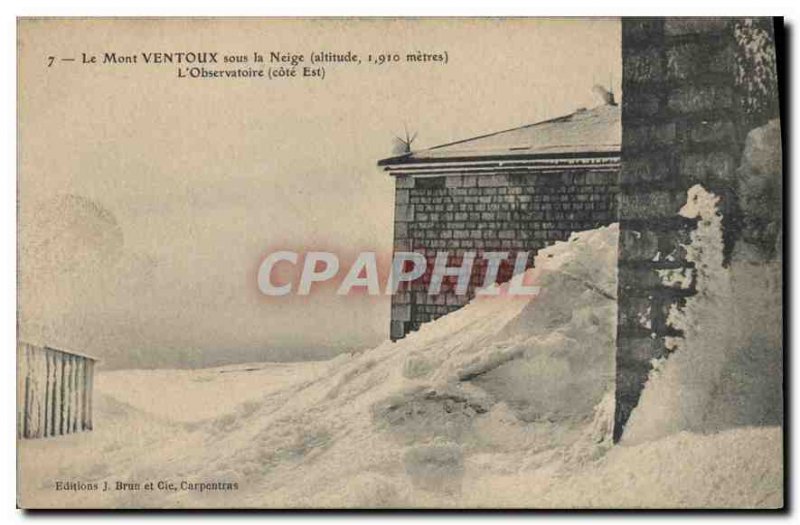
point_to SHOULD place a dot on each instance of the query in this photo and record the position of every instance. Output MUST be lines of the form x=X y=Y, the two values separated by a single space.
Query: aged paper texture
x=400 y=263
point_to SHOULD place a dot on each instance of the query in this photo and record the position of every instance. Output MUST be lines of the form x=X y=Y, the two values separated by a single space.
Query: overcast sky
x=147 y=202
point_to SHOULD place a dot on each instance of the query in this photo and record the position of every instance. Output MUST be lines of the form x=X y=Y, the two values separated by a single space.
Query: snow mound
x=739 y=468
x=506 y=402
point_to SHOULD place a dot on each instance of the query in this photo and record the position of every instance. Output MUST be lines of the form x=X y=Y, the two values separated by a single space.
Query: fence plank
x=54 y=391
x=28 y=394
x=81 y=387
x=46 y=404
x=90 y=395
x=60 y=392
x=75 y=394
x=39 y=383
x=21 y=373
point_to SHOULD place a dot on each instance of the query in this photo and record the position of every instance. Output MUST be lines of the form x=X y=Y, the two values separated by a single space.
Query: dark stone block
x=643 y=65
x=650 y=205
x=691 y=60
x=693 y=99
x=705 y=167
x=681 y=26
x=644 y=30
x=649 y=136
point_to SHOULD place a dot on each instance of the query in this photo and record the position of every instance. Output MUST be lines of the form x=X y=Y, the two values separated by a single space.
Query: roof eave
x=408 y=159
x=397 y=159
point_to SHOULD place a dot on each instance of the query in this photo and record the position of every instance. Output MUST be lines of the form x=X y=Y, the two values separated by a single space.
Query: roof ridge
x=583 y=128
x=562 y=118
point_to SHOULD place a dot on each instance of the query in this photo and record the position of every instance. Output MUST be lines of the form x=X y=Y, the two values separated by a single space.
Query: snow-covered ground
x=195 y=395
x=506 y=403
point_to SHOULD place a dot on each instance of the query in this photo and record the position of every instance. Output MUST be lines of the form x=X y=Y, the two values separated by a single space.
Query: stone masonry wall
x=686 y=110
x=511 y=212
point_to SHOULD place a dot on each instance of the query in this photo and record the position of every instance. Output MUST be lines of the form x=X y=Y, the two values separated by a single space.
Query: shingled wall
x=510 y=212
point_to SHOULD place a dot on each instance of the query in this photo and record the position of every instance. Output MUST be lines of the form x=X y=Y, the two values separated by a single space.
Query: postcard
x=400 y=263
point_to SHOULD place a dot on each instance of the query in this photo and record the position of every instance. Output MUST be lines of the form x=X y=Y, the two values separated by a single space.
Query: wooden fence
x=54 y=391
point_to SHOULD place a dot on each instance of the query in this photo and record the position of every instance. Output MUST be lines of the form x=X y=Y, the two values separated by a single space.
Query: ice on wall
x=726 y=370
x=756 y=71
x=759 y=193
x=678 y=390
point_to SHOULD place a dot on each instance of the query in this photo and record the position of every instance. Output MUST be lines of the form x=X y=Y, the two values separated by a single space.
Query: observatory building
x=512 y=191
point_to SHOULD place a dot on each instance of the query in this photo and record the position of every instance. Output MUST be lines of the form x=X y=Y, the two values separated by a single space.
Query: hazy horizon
x=147 y=202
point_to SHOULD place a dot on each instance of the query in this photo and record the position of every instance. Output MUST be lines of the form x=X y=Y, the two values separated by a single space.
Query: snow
x=725 y=371
x=194 y=395
x=507 y=402
x=679 y=387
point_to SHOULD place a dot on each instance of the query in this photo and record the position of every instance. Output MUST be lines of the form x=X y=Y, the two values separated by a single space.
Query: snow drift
x=506 y=402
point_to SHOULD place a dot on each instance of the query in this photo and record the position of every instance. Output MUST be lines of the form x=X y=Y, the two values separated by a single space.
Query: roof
x=597 y=130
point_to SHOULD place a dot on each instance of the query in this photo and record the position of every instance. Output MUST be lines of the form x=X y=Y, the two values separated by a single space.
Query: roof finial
x=606 y=97
x=402 y=146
